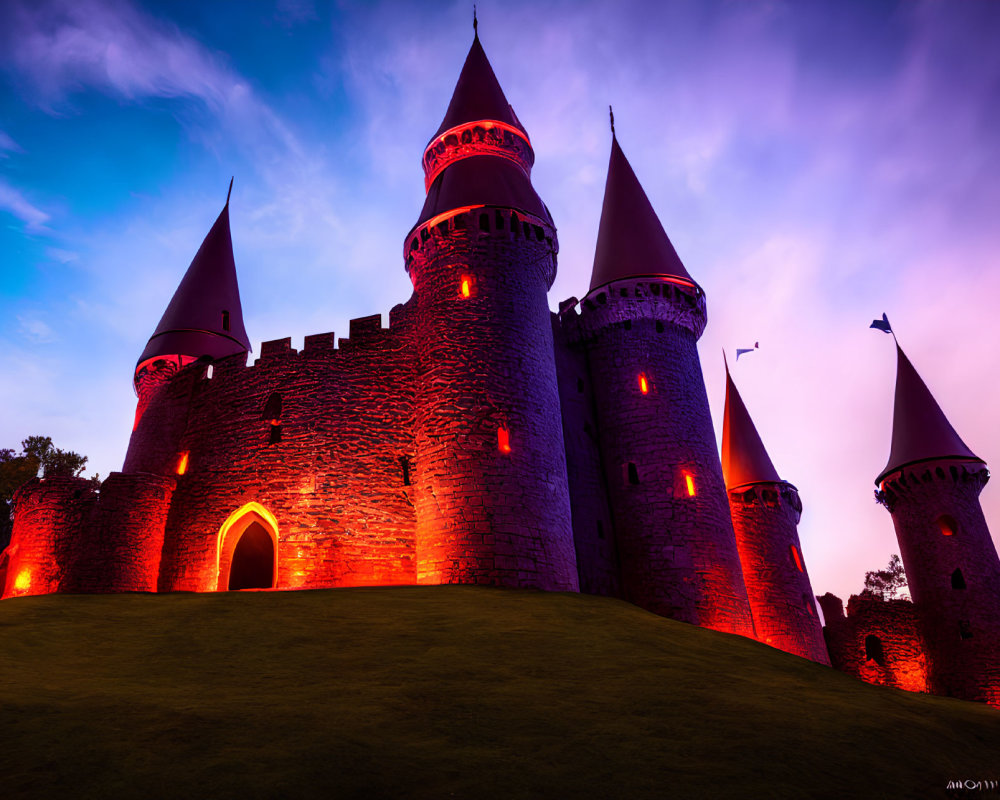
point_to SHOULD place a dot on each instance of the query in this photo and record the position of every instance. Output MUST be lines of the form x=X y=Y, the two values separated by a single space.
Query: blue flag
x=741 y=350
x=882 y=324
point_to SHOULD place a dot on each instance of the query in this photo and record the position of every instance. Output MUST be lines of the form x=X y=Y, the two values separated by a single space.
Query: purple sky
x=815 y=164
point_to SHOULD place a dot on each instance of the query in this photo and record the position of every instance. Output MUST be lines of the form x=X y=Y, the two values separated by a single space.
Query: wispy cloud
x=35 y=329
x=8 y=145
x=13 y=201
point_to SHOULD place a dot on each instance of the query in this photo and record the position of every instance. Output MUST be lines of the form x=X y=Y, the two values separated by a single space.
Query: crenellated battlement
x=914 y=478
x=476 y=223
x=664 y=301
x=770 y=495
x=480 y=138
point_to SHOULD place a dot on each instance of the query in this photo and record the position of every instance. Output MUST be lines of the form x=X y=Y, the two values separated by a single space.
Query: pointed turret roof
x=477 y=94
x=920 y=430
x=631 y=242
x=206 y=302
x=482 y=180
x=744 y=459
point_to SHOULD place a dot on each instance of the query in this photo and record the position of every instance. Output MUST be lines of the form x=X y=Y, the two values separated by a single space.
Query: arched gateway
x=248 y=549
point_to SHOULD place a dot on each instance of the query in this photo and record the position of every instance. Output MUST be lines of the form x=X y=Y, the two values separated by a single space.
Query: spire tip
x=230 y=189
x=475 y=21
x=611 y=113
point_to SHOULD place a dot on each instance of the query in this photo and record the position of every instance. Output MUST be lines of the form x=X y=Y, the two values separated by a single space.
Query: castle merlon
x=744 y=459
x=920 y=429
x=631 y=241
x=205 y=316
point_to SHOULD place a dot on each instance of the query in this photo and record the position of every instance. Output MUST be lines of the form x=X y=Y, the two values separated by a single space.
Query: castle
x=481 y=438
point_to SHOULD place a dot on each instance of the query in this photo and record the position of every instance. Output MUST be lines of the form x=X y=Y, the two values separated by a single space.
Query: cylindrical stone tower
x=931 y=487
x=640 y=324
x=766 y=511
x=491 y=497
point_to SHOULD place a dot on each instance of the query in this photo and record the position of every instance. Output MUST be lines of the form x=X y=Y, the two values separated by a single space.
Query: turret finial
x=475 y=21
x=611 y=112
x=230 y=189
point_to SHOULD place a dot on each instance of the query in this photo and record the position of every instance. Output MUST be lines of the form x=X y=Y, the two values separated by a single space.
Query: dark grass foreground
x=443 y=692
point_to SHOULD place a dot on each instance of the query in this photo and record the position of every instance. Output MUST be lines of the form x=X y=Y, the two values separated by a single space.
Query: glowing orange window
x=643 y=383
x=796 y=558
x=948 y=525
x=689 y=483
x=23 y=581
x=182 y=463
x=503 y=440
x=465 y=288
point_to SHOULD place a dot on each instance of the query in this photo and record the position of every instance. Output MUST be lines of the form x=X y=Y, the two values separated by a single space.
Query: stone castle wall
x=68 y=537
x=765 y=519
x=660 y=459
x=953 y=573
x=878 y=641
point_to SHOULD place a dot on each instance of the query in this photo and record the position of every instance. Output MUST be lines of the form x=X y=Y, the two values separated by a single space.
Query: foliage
x=886 y=584
x=38 y=456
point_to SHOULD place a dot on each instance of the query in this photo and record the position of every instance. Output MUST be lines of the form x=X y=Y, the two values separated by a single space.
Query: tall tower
x=204 y=318
x=640 y=323
x=766 y=512
x=491 y=498
x=931 y=487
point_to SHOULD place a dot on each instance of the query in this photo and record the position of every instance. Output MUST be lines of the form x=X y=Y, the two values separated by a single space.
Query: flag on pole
x=741 y=350
x=882 y=324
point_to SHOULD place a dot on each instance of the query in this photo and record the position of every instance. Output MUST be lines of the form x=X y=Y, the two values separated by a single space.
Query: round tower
x=640 y=323
x=931 y=486
x=491 y=497
x=204 y=318
x=766 y=512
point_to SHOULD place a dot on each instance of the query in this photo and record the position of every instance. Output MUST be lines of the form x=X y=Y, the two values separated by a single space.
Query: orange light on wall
x=466 y=288
x=689 y=483
x=182 y=463
x=643 y=383
x=796 y=558
x=503 y=440
x=23 y=581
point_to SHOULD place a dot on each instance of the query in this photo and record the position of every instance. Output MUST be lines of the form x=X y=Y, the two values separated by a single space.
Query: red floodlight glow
x=503 y=440
x=797 y=558
x=182 y=463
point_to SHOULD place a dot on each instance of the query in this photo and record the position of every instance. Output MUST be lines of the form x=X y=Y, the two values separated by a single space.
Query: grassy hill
x=437 y=692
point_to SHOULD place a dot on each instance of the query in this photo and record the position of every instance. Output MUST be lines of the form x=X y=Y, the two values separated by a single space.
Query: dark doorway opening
x=873 y=650
x=253 y=560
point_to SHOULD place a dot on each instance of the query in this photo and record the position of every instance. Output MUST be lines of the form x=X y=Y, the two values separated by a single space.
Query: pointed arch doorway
x=248 y=550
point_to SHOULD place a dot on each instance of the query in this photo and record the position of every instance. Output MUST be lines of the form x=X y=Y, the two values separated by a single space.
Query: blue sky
x=815 y=164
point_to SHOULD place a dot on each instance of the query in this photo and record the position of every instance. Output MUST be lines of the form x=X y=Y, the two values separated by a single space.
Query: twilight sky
x=815 y=164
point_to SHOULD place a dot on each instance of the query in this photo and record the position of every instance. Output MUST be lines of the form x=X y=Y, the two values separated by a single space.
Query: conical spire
x=920 y=430
x=204 y=317
x=744 y=459
x=631 y=242
x=477 y=94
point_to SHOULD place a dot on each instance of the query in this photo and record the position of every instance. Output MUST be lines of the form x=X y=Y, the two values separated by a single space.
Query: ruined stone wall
x=678 y=550
x=487 y=514
x=70 y=538
x=879 y=641
x=321 y=440
x=765 y=519
x=953 y=573
x=597 y=555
